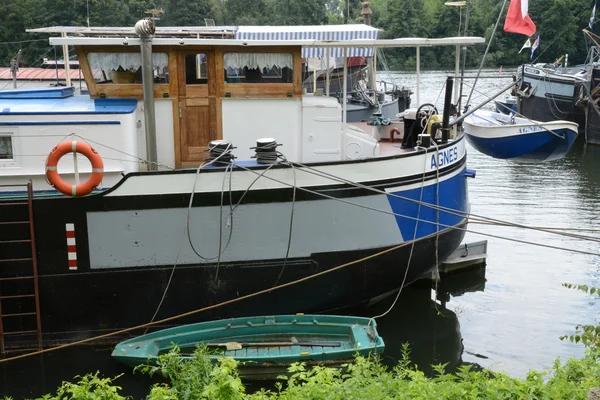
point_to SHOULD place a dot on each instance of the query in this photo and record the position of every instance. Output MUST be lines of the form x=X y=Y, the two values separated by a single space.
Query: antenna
x=88 y=13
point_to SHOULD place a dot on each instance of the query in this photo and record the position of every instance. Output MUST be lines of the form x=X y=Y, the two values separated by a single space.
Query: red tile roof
x=41 y=74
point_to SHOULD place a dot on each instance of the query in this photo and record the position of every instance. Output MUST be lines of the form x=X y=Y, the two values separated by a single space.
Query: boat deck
x=392 y=148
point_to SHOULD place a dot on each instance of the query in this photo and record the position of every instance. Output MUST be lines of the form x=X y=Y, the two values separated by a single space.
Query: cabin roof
x=120 y=31
x=240 y=32
x=307 y=36
x=48 y=102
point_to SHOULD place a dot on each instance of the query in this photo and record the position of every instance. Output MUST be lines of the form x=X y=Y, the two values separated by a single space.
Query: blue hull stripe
x=27 y=123
x=452 y=194
x=537 y=146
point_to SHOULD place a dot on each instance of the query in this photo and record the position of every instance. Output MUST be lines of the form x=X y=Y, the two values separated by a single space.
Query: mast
x=367 y=13
x=464 y=61
x=485 y=54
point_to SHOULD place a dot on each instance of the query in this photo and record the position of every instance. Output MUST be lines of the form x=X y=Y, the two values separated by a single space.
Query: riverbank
x=366 y=378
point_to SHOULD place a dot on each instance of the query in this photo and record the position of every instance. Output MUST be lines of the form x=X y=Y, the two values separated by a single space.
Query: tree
x=186 y=12
x=299 y=12
x=244 y=12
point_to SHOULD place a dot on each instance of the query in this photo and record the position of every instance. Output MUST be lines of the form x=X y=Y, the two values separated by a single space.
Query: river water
x=510 y=321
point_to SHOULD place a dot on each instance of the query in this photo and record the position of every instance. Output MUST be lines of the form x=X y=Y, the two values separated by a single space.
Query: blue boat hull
x=535 y=146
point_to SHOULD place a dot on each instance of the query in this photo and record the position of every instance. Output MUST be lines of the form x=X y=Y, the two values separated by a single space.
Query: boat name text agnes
x=445 y=157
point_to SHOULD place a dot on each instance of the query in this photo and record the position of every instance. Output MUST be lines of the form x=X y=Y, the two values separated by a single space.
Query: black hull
x=77 y=306
x=547 y=109
x=592 y=129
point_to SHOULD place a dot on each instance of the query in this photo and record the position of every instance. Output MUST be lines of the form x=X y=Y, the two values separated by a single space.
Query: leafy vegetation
x=365 y=379
x=559 y=23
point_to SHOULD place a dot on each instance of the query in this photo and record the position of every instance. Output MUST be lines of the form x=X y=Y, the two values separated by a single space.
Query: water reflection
x=432 y=331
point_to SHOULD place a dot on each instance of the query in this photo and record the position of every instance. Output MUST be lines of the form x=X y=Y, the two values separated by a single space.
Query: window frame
x=12 y=134
x=263 y=82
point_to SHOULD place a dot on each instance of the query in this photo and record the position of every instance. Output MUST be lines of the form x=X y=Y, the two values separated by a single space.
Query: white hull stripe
x=362 y=172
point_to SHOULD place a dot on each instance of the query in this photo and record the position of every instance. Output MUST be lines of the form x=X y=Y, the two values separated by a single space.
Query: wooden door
x=197 y=105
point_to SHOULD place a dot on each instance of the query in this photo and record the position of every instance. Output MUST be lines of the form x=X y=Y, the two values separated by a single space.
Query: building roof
x=39 y=74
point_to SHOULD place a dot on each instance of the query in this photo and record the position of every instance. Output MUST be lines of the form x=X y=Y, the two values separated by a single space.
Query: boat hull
x=130 y=247
x=551 y=96
x=521 y=142
x=264 y=345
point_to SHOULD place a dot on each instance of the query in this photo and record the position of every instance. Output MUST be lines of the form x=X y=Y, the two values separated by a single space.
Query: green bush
x=366 y=378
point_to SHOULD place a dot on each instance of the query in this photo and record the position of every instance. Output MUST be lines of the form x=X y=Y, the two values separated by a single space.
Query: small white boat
x=508 y=137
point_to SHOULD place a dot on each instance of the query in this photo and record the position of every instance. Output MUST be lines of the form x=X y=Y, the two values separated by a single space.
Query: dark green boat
x=265 y=346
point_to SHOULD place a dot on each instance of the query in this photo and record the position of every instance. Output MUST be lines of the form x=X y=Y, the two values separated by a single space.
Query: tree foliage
x=559 y=23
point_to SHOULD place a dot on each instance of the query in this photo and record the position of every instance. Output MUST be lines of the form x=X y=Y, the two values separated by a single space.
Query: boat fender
x=74 y=147
x=435 y=119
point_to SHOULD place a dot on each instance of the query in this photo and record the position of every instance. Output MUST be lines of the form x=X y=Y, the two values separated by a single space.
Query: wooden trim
x=297 y=72
x=191 y=164
x=196 y=90
x=195 y=101
x=84 y=65
x=219 y=91
x=173 y=72
x=259 y=90
x=131 y=90
x=177 y=132
x=219 y=117
x=116 y=90
x=212 y=83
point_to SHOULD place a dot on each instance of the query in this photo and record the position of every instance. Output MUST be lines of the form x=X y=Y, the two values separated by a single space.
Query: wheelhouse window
x=258 y=67
x=126 y=67
x=6 y=147
x=196 y=72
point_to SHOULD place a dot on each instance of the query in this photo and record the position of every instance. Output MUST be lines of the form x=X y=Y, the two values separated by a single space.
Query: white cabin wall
x=321 y=129
x=33 y=143
x=163 y=110
x=246 y=120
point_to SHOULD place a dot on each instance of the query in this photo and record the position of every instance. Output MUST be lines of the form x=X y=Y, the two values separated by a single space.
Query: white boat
x=508 y=137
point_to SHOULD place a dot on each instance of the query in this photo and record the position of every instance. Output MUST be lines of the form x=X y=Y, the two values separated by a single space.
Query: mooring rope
x=214 y=306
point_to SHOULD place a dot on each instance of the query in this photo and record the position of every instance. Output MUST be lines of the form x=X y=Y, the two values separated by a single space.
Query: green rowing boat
x=265 y=346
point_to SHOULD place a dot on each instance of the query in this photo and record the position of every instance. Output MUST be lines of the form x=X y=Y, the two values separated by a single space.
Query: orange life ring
x=71 y=147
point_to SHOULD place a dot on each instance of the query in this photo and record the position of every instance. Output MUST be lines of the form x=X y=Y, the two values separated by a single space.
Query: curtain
x=6 y=150
x=258 y=60
x=126 y=61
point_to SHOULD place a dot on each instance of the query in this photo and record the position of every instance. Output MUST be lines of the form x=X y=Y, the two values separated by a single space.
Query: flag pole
x=484 y=55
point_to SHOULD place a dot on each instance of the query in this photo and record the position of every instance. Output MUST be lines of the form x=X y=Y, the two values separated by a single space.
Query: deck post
x=145 y=28
x=446 y=116
x=456 y=72
x=327 y=74
x=67 y=63
x=418 y=74
x=366 y=13
x=345 y=90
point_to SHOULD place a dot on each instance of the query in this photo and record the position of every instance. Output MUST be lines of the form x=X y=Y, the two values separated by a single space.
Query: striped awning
x=314 y=32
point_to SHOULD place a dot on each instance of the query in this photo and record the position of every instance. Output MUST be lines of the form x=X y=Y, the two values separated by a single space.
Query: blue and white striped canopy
x=315 y=32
